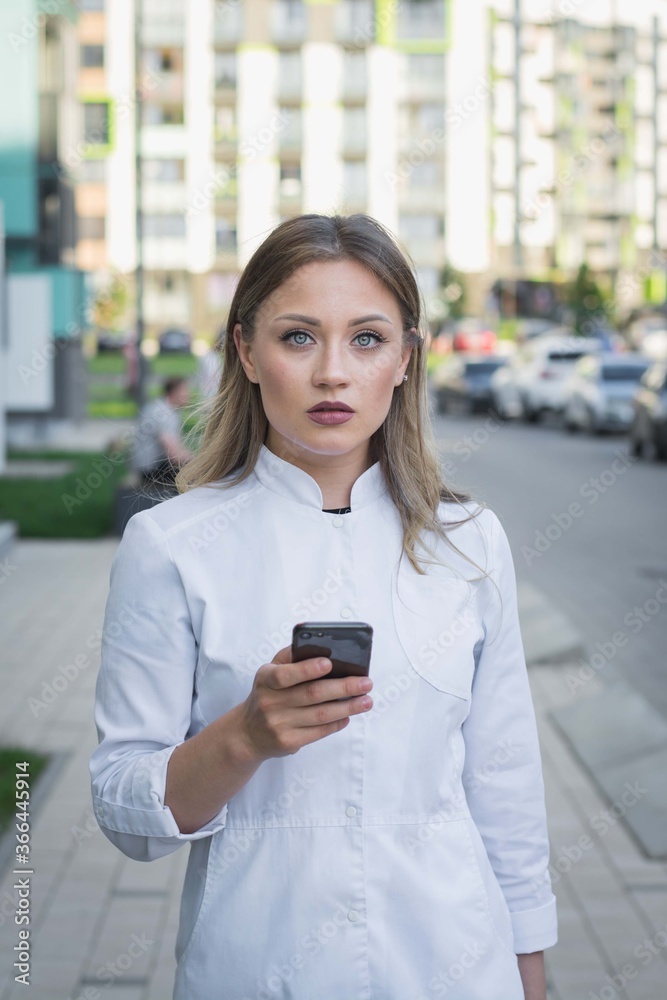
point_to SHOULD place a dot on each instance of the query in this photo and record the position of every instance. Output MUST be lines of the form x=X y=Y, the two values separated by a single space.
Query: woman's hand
x=291 y=705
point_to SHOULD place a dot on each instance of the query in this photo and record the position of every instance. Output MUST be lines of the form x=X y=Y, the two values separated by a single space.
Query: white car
x=533 y=382
x=600 y=392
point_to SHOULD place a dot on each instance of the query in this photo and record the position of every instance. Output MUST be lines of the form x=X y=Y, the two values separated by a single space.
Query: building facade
x=511 y=139
x=45 y=313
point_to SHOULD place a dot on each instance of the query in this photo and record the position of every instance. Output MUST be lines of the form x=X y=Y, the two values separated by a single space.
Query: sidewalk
x=103 y=926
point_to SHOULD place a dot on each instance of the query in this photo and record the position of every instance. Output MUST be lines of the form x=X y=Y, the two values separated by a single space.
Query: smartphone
x=348 y=646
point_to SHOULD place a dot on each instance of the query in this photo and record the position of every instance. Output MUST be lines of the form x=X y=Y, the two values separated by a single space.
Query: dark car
x=110 y=340
x=648 y=431
x=463 y=382
x=175 y=342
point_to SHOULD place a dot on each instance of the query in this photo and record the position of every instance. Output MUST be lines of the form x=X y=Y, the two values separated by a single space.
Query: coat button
x=352 y=915
x=346 y=613
x=350 y=811
x=337 y=521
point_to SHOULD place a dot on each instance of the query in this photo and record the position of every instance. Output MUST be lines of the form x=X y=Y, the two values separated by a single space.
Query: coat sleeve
x=502 y=774
x=144 y=694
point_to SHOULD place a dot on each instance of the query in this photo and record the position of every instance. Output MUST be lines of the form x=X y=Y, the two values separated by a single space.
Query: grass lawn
x=163 y=365
x=108 y=398
x=9 y=757
x=76 y=505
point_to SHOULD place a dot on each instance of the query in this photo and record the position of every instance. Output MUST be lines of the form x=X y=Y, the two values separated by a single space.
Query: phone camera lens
x=305 y=635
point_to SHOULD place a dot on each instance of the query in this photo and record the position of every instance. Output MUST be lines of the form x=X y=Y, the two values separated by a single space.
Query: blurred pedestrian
x=158 y=448
x=210 y=369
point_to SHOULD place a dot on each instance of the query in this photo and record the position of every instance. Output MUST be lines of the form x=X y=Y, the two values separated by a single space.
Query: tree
x=592 y=307
x=110 y=305
x=453 y=291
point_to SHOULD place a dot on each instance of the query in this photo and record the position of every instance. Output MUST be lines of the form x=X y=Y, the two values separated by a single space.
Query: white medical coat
x=402 y=858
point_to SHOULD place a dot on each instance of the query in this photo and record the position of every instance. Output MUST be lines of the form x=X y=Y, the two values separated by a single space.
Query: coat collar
x=290 y=481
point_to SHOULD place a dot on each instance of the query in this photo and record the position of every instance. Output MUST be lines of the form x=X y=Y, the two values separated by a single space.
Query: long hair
x=236 y=424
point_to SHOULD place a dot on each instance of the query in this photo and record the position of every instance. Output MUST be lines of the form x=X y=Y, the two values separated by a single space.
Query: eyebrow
x=353 y=322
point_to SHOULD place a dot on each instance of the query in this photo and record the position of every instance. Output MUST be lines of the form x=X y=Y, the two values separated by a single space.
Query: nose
x=330 y=366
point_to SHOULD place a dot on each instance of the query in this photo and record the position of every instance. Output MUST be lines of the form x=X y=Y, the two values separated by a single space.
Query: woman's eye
x=364 y=334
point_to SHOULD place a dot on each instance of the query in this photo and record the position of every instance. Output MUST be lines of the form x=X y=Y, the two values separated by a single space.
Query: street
x=601 y=562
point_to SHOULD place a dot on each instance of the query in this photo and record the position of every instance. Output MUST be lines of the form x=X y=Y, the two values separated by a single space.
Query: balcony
x=288 y=21
x=163 y=22
x=290 y=77
x=290 y=138
x=227 y=24
x=355 y=84
x=423 y=20
x=355 y=22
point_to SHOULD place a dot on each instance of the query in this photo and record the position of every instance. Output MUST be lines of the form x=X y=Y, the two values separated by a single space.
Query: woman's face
x=331 y=332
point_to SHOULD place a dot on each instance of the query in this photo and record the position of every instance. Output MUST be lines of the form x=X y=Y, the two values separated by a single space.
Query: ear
x=406 y=354
x=245 y=353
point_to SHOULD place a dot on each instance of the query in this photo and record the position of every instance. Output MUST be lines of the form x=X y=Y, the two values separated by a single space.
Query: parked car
x=648 y=431
x=112 y=340
x=472 y=334
x=175 y=342
x=463 y=382
x=648 y=334
x=533 y=383
x=599 y=394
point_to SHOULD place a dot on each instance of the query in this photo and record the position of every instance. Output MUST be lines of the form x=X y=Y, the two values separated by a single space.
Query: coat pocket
x=438 y=625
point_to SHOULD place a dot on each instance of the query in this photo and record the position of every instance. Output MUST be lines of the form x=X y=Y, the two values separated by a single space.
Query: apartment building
x=509 y=138
x=43 y=300
x=579 y=140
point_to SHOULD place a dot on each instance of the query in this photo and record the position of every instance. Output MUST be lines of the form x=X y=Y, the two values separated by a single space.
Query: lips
x=319 y=407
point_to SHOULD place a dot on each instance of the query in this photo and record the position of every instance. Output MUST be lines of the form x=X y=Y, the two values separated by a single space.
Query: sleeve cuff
x=536 y=929
x=151 y=822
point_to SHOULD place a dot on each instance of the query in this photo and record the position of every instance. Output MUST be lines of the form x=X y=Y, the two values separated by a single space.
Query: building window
x=420 y=19
x=164 y=171
x=289 y=136
x=354 y=179
x=92 y=171
x=164 y=225
x=355 y=21
x=165 y=59
x=225 y=69
x=426 y=66
x=225 y=124
x=289 y=74
x=92 y=56
x=162 y=114
x=91 y=227
x=225 y=236
x=96 y=123
x=431 y=117
x=290 y=180
x=354 y=74
x=354 y=129
x=228 y=23
x=421 y=227
x=427 y=176
x=288 y=20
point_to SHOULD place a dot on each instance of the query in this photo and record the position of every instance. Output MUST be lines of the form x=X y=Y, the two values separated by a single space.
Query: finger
x=328 y=712
x=319 y=732
x=286 y=673
x=314 y=692
x=283 y=655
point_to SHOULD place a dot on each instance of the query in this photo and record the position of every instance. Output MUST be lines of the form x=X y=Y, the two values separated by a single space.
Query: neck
x=334 y=474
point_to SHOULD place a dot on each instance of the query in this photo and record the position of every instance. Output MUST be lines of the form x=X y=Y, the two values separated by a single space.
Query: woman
x=385 y=848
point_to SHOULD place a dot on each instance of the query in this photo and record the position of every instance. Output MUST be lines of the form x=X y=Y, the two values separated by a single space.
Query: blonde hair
x=235 y=421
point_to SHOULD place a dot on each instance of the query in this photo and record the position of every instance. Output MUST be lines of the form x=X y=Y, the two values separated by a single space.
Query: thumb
x=283 y=655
